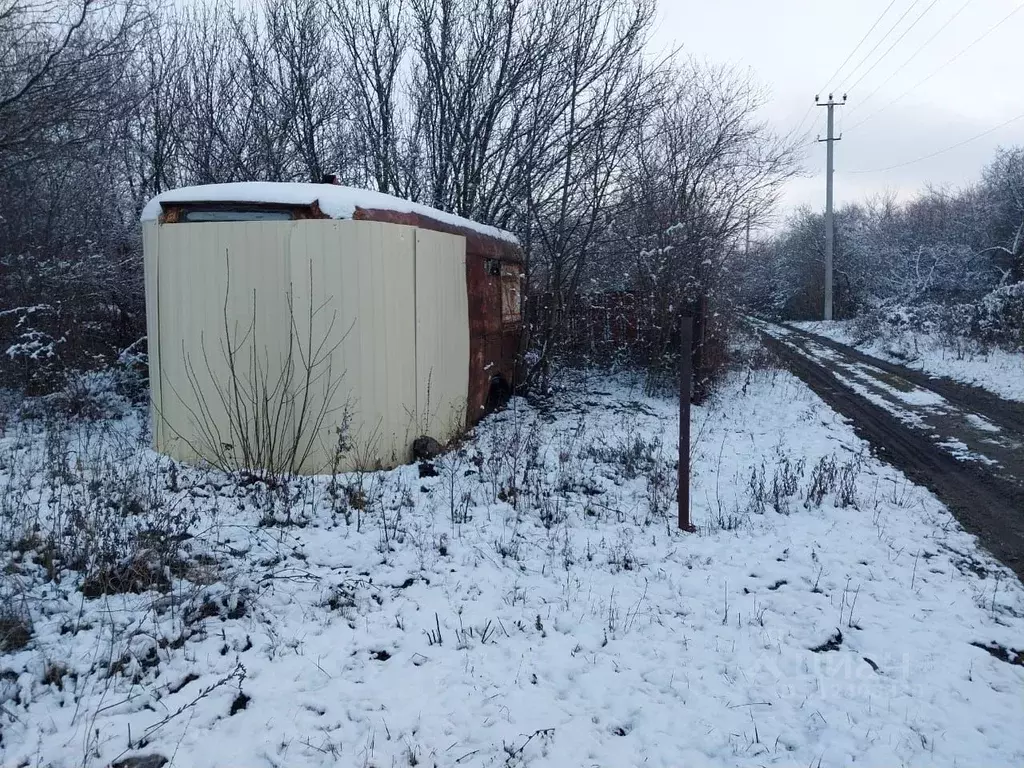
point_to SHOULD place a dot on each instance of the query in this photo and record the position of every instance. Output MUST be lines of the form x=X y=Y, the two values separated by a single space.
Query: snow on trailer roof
x=334 y=201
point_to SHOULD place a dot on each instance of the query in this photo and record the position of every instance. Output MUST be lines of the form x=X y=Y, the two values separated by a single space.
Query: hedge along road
x=965 y=445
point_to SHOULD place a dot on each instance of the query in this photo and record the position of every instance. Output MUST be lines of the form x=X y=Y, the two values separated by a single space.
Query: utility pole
x=829 y=224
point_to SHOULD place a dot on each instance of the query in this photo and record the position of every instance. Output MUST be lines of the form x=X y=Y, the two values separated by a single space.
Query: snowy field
x=997 y=370
x=530 y=605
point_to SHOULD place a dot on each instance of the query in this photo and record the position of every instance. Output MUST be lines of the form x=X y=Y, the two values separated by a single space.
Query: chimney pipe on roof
x=329 y=178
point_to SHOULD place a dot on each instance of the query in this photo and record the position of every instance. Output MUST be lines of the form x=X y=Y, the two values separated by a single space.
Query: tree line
x=953 y=255
x=551 y=118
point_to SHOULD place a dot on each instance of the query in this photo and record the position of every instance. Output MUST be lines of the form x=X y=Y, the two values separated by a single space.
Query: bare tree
x=218 y=124
x=472 y=59
x=59 y=70
x=68 y=295
x=151 y=131
x=374 y=34
x=1003 y=186
x=701 y=170
x=546 y=117
x=585 y=107
x=705 y=167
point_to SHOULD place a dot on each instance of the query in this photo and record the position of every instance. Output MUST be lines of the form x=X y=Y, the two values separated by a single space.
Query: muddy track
x=987 y=506
x=1003 y=412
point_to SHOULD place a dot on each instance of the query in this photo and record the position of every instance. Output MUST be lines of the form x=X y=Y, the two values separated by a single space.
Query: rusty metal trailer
x=279 y=313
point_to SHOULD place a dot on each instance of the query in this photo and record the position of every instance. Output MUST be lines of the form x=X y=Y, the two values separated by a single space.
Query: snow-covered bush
x=999 y=317
x=996 y=319
x=87 y=395
x=84 y=502
x=32 y=348
x=75 y=309
x=15 y=622
x=945 y=247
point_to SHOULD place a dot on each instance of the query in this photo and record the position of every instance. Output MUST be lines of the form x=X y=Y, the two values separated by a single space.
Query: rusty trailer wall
x=494 y=281
x=495 y=333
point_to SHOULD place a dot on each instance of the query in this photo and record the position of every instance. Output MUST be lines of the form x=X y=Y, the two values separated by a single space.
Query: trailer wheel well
x=498 y=393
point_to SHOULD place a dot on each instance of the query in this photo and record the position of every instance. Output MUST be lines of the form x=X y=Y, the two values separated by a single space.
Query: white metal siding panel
x=222 y=292
x=150 y=257
x=383 y=323
x=317 y=334
x=389 y=322
x=442 y=334
x=362 y=295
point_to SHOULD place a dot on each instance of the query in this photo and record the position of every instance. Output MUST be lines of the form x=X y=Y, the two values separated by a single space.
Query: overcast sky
x=794 y=46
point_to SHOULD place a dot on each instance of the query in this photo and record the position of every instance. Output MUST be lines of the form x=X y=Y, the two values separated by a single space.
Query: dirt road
x=964 y=444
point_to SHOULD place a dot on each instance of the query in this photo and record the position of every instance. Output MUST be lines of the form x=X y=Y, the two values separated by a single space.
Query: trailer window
x=511 y=293
x=236 y=214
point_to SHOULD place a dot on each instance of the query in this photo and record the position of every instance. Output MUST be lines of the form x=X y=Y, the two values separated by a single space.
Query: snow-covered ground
x=997 y=370
x=531 y=605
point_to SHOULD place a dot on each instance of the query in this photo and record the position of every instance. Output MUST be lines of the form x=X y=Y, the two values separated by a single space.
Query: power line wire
x=880 y=41
x=936 y=71
x=901 y=67
x=946 y=149
x=849 y=56
x=855 y=49
x=894 y=44
x=803 y=120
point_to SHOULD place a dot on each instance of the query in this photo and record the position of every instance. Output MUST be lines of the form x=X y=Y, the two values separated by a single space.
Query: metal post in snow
x=685 y=386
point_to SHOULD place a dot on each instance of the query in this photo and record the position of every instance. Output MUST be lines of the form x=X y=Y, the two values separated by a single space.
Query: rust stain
x=476 y=242
x=497 y=337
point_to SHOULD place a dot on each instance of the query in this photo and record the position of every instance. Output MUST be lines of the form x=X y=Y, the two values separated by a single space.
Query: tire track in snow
x=987 y=504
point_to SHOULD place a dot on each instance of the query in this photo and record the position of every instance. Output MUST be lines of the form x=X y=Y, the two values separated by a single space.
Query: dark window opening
x=511 y=293
x=193 y=215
